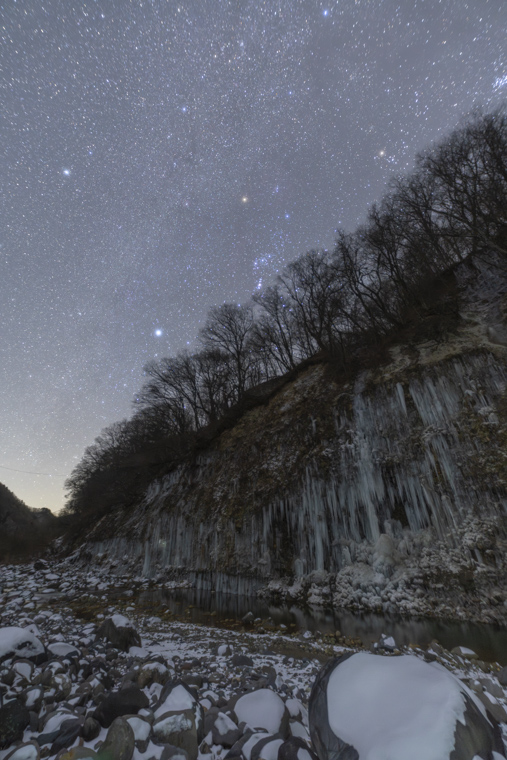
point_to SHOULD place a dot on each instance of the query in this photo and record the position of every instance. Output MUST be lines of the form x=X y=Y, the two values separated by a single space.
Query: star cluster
x=161 y=157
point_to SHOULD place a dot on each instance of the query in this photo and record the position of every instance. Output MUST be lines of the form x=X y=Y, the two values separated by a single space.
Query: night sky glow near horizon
x=161 y=157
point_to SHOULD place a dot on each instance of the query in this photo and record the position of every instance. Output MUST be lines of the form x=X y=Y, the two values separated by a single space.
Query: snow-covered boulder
x=177 y=697
x=265 y=710
x=120 y=632
x=61 y=649
x=27 y=751
x=178 y=728
x=224 y=731
x=366 y=706
x=20 y=642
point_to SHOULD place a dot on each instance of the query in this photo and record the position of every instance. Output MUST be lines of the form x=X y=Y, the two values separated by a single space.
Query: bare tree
x=275 y=332
x=316 y=297
x=228 y=329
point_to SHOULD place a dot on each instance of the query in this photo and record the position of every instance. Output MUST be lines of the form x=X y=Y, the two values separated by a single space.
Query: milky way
x=162 y=157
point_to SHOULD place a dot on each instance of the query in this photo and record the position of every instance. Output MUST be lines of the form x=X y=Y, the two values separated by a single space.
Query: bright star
x=325 y=12
x=158 y=333
x=244 y=199
x=66 y=172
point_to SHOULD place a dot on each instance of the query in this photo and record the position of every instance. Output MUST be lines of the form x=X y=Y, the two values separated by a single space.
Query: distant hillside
x=24 y=530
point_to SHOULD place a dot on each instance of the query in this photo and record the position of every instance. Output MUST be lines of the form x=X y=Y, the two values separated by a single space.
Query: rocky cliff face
x=385 y=491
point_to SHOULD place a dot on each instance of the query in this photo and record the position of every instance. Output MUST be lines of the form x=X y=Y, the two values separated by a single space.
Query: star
x=66 y=172
x=158 y=332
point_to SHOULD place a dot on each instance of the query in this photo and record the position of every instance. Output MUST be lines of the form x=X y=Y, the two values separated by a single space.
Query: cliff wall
x=386 y=490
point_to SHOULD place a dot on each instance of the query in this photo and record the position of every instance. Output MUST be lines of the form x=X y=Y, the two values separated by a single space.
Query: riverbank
x=79 y=669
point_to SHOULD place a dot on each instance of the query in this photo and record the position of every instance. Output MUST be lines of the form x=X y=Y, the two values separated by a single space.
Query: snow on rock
x=396 y=708
x=25 y=752
x=262 y=745
x=469 y=654
x=263 y=709
x=20 y=642
x=60 y=649
x=120 y=632
x=120 y=621
x=177 y=698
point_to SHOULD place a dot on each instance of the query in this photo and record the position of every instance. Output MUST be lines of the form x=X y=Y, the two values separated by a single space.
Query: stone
x=177 y=696
x=493 y=688
x=264 y=709
x=77 y=753
x=502 y=676
x=467 y=654
x=386 y=642
x=142 y=729
x=68 y=733
x=90 y=729
x=119 y=743
x=224 y=650
x=119 y=632
x=124 y=702
x=290 y=748
x=241 y=660
x=178 y=729
x=173 y=753
x=237 y=750
x=33 y=697
x=152 y=672
x=14 y=718
x=193 y=679
x=60 y=649
x=224 y=731
x=399 y=688
x=298 y=730
x=267 y=748
x=23 y=670
x=494 y=707
x=21 y=643
x=26 y=751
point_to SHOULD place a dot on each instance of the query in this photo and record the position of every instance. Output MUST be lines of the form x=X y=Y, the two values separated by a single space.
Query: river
x=227 y=610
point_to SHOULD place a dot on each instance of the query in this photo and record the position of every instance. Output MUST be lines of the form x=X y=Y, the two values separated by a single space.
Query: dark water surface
x=225 y=610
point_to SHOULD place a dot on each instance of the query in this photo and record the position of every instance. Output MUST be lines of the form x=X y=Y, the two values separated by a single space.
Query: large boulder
x=263 y=709
x=20 y=642
x=364 y=705
x=127 y=701
x=224 y=731
x=120 y=632
x=178 y=728
x=119 y=743
x=177 y=696
x=26 y=751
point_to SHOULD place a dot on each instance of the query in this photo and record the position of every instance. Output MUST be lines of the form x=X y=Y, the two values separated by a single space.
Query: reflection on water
x=489 y=641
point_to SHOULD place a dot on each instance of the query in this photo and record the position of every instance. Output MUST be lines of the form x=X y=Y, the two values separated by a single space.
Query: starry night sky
x=161 y=157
